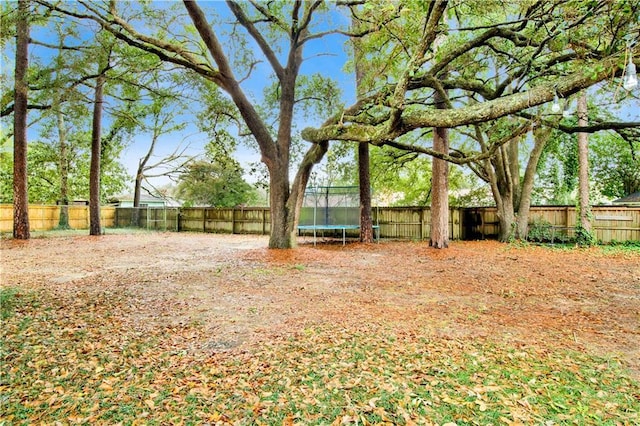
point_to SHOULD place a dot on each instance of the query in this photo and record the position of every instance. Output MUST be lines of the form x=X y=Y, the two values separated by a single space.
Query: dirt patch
x=241 y=293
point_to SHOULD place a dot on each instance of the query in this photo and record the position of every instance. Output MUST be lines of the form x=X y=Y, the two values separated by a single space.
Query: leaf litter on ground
x=65 y=362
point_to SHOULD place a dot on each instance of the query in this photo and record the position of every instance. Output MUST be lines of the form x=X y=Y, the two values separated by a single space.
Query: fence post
x=204 y=219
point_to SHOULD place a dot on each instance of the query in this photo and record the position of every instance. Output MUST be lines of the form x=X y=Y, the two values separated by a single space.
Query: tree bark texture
x=439 y=236
x=583 y=165
x=540 y=138
x=136 y=195
x=20 y=186
x=507 y=176
x=364 y=182
x=94 y=171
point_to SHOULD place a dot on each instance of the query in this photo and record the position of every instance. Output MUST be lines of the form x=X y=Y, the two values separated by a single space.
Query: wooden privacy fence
x=412 y=223
x=47 y=217
x=610 y=223
x=394 y=222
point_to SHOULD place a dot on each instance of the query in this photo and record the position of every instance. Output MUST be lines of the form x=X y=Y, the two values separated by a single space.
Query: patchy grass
x=79 y=363
x=8 y=301
x=627 y=247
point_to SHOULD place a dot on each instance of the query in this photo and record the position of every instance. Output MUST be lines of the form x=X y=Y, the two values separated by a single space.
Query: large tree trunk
x=540 y=137
x=583 y=165
x=364 y=181
x=94 y=172
x=63 y=222
x=285 y=205
x=20 y=187
x=506 y=219
x=504 y=178
x=503 y=196
x=282 y=218
x=439 y=236
x=364 y=176
x=136 y=194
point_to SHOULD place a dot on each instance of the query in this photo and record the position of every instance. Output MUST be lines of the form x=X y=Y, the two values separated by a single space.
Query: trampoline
x=331 y=208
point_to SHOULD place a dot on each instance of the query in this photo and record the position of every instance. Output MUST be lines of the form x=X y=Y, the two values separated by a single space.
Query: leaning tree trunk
x=94 y=173
x=20 y=188
x=540 y=138
x=439 y=236
x=136 y=194
x=142 y=164
x=583 y=166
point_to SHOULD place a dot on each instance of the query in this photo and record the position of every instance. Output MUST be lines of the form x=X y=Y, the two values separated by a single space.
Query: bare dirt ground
x=240 y=293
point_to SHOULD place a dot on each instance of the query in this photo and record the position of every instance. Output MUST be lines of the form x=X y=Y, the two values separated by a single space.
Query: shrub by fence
x=610 y=223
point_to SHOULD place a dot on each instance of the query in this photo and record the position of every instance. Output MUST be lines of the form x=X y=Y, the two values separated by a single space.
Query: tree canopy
x=215 y=182
x=494 y=58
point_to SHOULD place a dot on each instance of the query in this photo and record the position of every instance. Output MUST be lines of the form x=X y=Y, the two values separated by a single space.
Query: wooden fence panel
x=455 y=223
x=413 y=222
x=79 y=217
x=400 y=222
x=47 y=217
x=219 y=220
x=616 y=224
x=43 y=218
x=609 y=223
x=251 y=221
x=6 y=218
x=192 y=219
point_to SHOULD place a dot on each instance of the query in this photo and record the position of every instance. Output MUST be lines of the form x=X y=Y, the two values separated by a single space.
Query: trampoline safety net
x=331 y=206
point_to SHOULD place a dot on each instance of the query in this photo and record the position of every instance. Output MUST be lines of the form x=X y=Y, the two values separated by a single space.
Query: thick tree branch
x=478 y=113
x=9 y=109
x=592 y=128
x=124 y=32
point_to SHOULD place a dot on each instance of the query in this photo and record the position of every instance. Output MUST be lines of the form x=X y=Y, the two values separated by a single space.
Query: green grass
x=632 y=247
x=8 y=301
x=626 y=247
x=75 y=363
